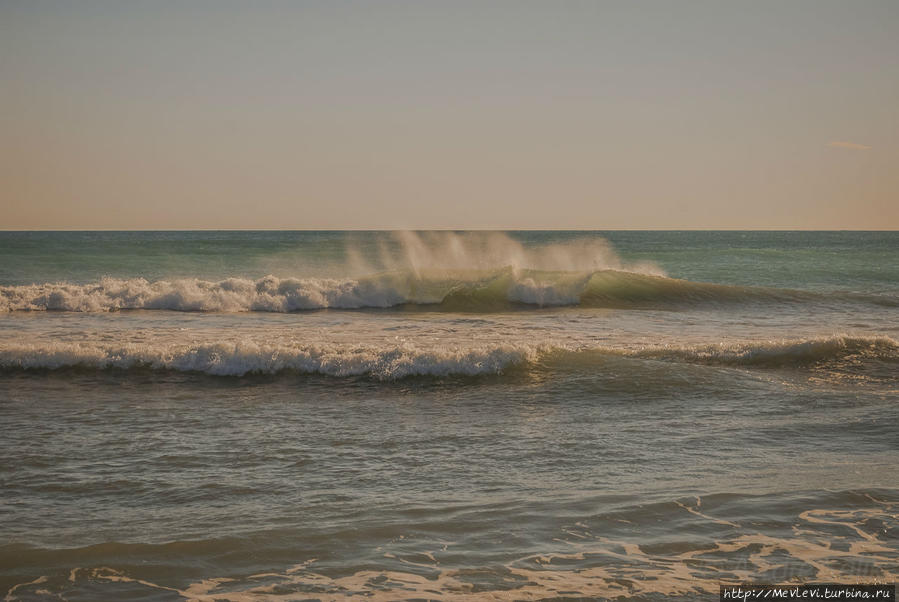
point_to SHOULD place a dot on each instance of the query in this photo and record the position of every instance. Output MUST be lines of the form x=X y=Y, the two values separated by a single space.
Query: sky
x=380 y=114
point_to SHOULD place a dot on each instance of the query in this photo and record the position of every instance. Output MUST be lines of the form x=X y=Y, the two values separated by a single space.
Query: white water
x=407 y=268
x=398 y=360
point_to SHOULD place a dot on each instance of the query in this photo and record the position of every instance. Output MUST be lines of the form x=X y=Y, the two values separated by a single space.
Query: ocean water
x=469 y=415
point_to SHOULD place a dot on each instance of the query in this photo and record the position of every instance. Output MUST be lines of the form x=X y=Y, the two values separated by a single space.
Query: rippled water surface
x=525 y=415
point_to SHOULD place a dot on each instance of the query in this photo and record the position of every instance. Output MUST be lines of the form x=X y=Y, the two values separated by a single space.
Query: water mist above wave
x=444 y=290
x=445 y=271
x=423 y=253
x=467 y=271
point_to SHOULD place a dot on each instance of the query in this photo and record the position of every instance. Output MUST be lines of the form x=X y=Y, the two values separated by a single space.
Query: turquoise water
x=521 y=415
x=867 y=261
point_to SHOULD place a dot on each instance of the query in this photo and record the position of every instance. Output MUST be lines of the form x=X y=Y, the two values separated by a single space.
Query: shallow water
x=321 y=415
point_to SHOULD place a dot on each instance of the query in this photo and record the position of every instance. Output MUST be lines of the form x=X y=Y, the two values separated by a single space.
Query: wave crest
x=778 y=354
x=395 y=361
x=238 y=359
x=458 y=290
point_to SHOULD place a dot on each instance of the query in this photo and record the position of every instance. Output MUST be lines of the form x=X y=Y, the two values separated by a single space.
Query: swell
x=458 y=290
x=777 y=354
x=391 y=362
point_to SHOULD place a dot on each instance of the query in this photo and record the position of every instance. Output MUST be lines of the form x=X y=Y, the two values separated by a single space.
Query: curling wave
x=445 y=290
x=390 y=362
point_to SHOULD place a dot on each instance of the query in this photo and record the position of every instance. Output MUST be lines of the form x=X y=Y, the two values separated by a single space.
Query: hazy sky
x=424 y=114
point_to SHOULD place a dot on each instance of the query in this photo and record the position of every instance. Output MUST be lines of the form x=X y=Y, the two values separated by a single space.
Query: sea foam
x=392 y=361
x=475 y=270
x=447 y=290
x=238 y=359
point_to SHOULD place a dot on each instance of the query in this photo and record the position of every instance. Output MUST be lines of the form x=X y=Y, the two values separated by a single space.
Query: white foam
x=230 y=295
x=237 y=359
x=410 y=268
x=547 y=294
x=387 y=361
x=272 y=294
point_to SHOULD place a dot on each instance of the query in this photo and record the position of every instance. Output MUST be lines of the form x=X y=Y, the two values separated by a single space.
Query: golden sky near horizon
x=454 y=114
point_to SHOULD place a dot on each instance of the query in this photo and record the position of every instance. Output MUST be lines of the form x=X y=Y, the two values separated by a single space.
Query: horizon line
x=647 y=229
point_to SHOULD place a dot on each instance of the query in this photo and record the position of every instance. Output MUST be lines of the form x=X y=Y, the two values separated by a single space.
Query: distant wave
x=781 y=354
x=392 y=362
x=442 y=290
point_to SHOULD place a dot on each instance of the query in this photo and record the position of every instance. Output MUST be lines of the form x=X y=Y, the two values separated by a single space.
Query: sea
x=546 y=415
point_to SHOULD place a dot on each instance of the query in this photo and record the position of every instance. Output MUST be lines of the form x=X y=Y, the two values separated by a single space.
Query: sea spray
x=428 y=252
x=444 y=290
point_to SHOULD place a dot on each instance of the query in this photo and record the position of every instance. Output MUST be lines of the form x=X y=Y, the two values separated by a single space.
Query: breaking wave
x=392 y=362
x=444 y=290
x=238 y=359
x=441 y=271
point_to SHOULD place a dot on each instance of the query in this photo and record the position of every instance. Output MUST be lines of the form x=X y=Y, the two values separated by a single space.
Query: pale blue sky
x=421 y=114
